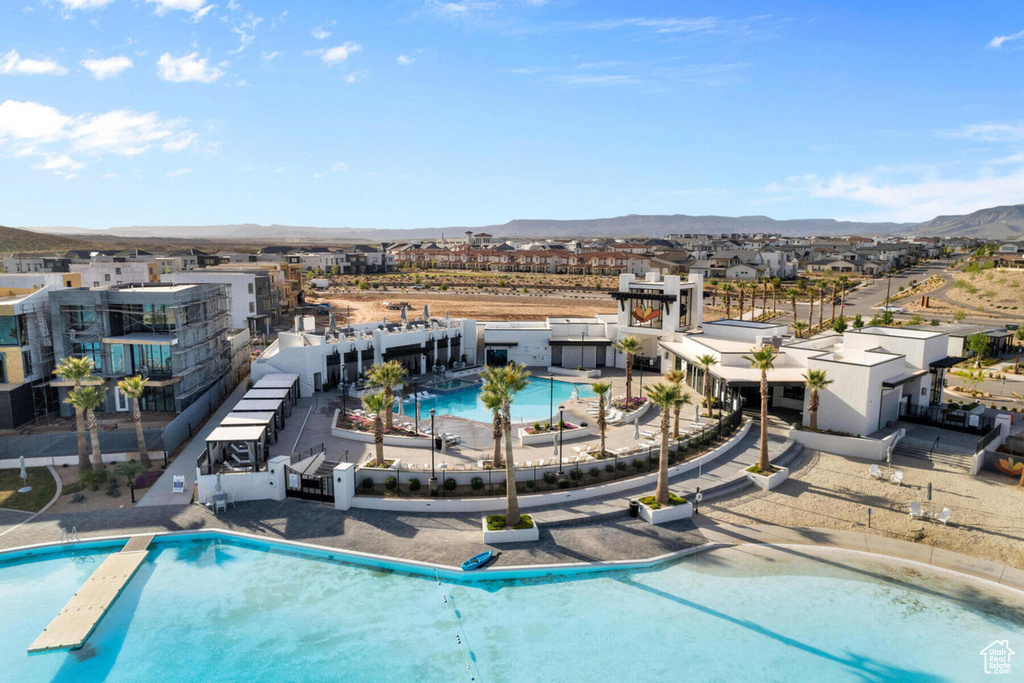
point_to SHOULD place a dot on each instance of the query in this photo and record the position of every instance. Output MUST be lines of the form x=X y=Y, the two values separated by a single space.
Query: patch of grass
x=754 y=469
x=43 y=488
x=673 y=499
x=497 y=522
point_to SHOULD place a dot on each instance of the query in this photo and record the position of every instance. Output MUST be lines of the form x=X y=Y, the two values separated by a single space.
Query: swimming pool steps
x=75 y=623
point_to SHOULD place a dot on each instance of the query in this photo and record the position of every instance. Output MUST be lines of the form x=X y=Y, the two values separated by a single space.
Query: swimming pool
x=217 y=609
x=530 y=405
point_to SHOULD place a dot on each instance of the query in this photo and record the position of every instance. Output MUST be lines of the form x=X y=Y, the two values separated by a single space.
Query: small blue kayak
x=478 y=561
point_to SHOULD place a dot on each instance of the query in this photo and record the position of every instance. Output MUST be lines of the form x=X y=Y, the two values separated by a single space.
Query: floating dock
x=75 y=623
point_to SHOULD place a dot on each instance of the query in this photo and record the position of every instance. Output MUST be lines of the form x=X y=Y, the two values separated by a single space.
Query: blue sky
x=416 y=113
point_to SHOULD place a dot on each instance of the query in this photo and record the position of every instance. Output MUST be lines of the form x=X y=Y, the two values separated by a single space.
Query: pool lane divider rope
x=455 y=619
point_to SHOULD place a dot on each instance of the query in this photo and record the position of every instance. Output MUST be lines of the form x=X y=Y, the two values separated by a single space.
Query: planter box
x=546 y=438
x=666 y=513
x=629 y=418
x=378 y=474
x=587 y=374
x=367 y=437
x=510 y=535
x=770 y=481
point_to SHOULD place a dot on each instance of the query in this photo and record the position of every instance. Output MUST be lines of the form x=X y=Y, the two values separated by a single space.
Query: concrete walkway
x=160 y=493
x=722 y=473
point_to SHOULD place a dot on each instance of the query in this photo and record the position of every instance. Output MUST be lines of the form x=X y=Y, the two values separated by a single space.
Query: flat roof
x=731 y=322
x=267 y=393
x=268 y=383
x=253 y=418
x=249 y=406
x=713 y=343
x=905 y=332
x=280 y=376
x=239 y=433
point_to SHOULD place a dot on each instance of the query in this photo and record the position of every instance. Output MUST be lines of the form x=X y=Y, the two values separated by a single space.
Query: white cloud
x=998 y=41
x=193 y=7
x=270 y=56
x=354 y=76
x=110 y=67
x=13 y=63
x=33 y=130
x=405 y=60
x=896 y=198
x=187 y=68
x=246 y=32
x=990 y=132
x=337 y=55
x=85 y=4
x=339 y=167
x=320 y=33
x=179 y=172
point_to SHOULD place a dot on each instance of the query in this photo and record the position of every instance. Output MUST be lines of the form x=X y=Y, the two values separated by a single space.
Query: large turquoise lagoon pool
x=214 y=609
x=531 y=404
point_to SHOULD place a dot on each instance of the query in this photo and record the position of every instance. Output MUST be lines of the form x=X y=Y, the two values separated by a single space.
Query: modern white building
x=112 y=273
x=251 y=295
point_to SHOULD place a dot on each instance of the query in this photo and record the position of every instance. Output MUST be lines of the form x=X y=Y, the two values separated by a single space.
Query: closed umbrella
x=554 y=443
x=217 y=487
x=24 y=475
x=636 y=430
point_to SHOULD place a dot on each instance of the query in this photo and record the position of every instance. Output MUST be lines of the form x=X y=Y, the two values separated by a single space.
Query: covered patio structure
x=275 y=406
x=284 y=395
x=280 y=381
x=236 y=448
x=267 y=419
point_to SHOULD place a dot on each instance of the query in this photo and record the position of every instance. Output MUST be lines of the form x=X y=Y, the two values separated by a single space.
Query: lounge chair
x=943 y=516
x=238 y=461
x=876 y=472
x=897 y=477
x=915 y=511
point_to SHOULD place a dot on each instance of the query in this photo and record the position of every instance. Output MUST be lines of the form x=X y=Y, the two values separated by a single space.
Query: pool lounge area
x=531 y=405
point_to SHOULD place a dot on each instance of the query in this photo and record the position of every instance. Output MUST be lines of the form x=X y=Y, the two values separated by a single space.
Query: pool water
x=530 y=405
x=216 y=610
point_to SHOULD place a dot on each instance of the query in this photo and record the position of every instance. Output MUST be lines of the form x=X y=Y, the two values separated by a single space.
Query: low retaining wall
x=585 y=374
x=632 y=417
x=61 y=460
x=497 y=504
x=851 y=446
x=548 y=438
x=389 y=439
x=242 y=486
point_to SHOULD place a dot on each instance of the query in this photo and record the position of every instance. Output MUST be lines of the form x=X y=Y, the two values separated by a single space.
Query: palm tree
x=763 y=359
x=713 y=286
x=764 y=294
x=378 y=404
x=677 y=377
x=821 y=304
x=387 y=375
x=815 y=380
x=630 y=346
x=492 y=402
x=601 y=388
x=743 y=295
x=792 y=300
x=811 y=291
x=667 y=397
x=843 y=281
x=835 y=287
x=506 y=382
x=87 y=400
x=799 y=326
x=78 y=370
x=776 y=285
x=133 y=388
x=727 y=293
x=706 y=361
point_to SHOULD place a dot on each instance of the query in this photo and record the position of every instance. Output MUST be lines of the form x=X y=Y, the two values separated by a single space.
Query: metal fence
x=987 y=439
x=956 y=419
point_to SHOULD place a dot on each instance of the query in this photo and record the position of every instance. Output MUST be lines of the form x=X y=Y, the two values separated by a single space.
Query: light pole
x=551 y=398
x=416 y=406
x=561 y=421
x=433 y=478
x=888 y=288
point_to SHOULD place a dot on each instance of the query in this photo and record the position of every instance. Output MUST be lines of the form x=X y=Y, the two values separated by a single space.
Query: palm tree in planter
x=133 y=388
x=378 y=404
x=727 y=294
x=763 y=359
x=630 y=346
x=799 y=326
x=677 y=377
x=387 y=375
x=601 y=388
x=492 y=401
x=88 y=399
x=667 y=397
x=507 y=381
x=816 y=380
x=706 y=361
x=78 y=370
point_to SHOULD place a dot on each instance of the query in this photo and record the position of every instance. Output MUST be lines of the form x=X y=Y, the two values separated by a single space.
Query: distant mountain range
x=12 y=240
x=999 y=223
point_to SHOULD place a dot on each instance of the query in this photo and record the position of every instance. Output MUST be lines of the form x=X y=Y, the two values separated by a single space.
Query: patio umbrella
x=401 y=408
x=575 y=393
x=426 y=312
x=554 y=443
x=405 y=314
x=444 y=444
x=217 y=487
x=24 y=473
x=636 y=430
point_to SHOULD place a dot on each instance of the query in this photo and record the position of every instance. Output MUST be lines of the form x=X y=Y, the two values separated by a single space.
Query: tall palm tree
x=379 y=404
x=706 y=361
x=798 y=327
x=630 y=346
x=776 y=285
x=763 y=359
x=821 y=304
x=492 y=402
x=666 y=397
x=792 y=300
x=727 y=293
x=506 y=382
x=677 y=377
x=764 y=294
x=601 y=388
x=713 y=287
x=387 y=375
x=78 y=370
x=133 y=388
x=816 y=380
x=844 y=280
x=835 y=287
x=743 y=295
x=88 y=399
x=811 y=291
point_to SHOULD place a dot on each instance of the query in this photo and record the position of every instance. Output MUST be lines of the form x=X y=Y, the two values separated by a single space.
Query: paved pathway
x=160 y=493
x=726 y=469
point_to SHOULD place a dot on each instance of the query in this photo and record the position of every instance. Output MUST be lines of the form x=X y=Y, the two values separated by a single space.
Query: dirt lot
x=832 y=491
x=995 y=290
x=366 y=306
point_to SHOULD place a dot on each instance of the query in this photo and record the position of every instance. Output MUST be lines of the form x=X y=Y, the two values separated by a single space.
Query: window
x=26 y=361
x=117 y=358
x=106 y=277
x=794 y=393
x=81 y=318
x=117 y=271
x=3 y=368
x=251 y=288
x=155 y=357
x=12 y=330
x=91 y=350
x=252 y=307
x=157 y=398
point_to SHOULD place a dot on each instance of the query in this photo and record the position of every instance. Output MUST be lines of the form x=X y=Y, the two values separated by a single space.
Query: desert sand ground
x=995 y=289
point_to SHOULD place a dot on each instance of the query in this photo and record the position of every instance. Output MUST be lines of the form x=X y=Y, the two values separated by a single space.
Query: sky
x=421 y=113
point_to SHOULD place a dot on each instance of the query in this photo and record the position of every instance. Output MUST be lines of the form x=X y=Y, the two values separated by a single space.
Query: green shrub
x=563 y=483
x=450 y=484
x=609 y=468
x=497 y=522
x=391 y=483
x=476 y=483
x=575 y=474
x=550 y=478
x=367 y=484
x=93 y=478
x=622 y=466
x=594 y=472
x=414 y=484
x=530 y=484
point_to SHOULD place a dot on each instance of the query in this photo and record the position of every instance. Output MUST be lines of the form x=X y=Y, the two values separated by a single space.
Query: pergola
x=223 y=445
x=275 y=406
x=267 y=419
x=279 y=381
x=271 y=394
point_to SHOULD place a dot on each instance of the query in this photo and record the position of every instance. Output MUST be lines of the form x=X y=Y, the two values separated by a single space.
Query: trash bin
x=634 y=508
